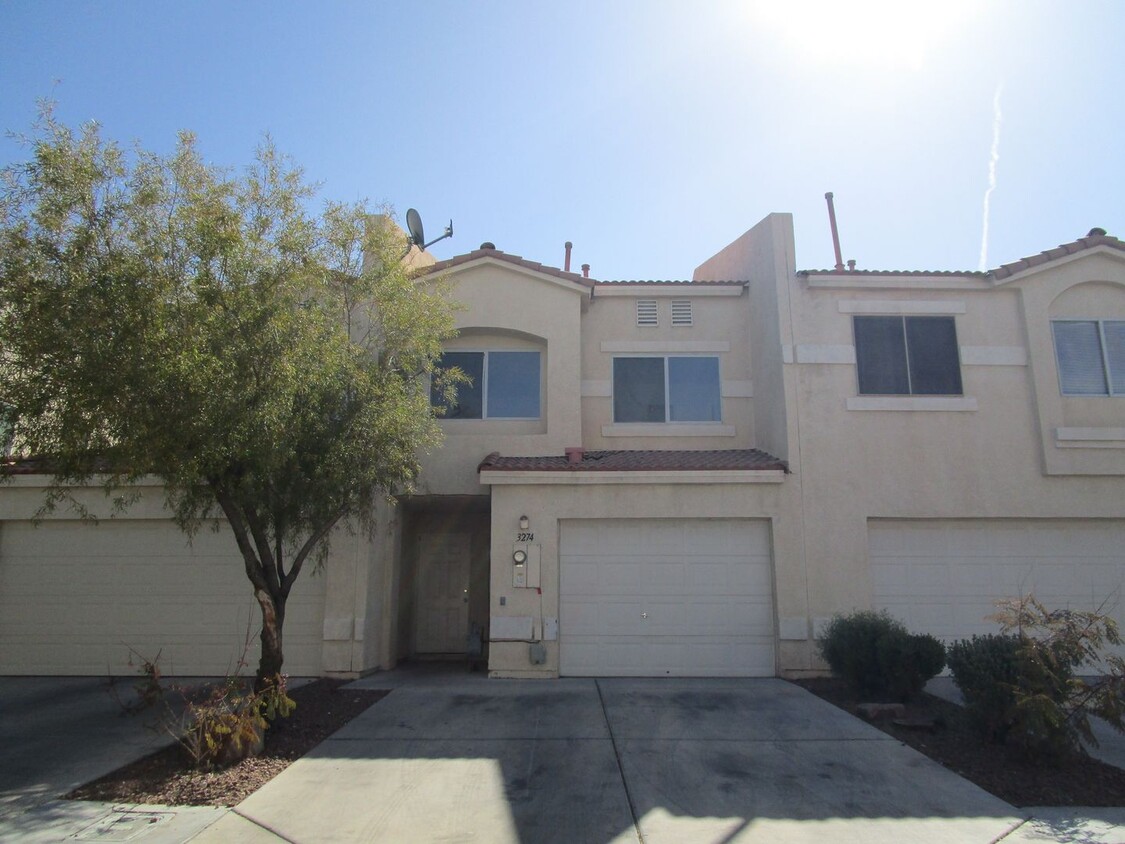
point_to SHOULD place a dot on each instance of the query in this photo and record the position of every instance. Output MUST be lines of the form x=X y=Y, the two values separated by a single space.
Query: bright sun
x=894 y=34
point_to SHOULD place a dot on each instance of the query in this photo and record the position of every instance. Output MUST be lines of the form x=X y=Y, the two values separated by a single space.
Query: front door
x=443 y=593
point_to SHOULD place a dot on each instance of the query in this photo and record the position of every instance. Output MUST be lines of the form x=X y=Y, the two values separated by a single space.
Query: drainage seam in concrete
x=620 y=767
x=264 y=826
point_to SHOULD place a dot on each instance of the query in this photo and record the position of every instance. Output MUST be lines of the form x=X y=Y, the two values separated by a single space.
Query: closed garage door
x=669 y=597
x=941 y=576
x=75 y=596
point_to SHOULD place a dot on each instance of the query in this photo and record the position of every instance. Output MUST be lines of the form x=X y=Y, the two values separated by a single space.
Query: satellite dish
x=414 y=226
x=418 y=235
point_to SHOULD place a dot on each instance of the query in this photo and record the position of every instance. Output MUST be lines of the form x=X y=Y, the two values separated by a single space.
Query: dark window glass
x=903 y=356
x=931 y=344
x=513 y=385
x=693 y=390
x=638 y=389
x=469 y=403
x=880 y=353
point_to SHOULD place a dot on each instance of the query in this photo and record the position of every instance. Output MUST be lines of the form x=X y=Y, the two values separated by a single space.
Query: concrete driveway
x=464 y=759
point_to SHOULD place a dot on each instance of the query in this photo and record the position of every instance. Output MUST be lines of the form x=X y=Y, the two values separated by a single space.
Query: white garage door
x=941 y=576
x=669 y=597
x=75 y=596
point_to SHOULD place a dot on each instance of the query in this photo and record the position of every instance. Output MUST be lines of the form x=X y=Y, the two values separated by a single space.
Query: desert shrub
x=877 y=657
x=986 y=670
x=907 y=661
x=1022 y=688
x=228 y=721
x=217 y=724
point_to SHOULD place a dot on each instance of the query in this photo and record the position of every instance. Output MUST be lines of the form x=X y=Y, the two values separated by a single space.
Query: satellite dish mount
x=417 y=234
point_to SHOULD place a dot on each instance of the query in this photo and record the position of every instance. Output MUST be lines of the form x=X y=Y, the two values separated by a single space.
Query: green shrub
x=986 y=670
x=877 y=657
x=907 y=661
x=1021 y=687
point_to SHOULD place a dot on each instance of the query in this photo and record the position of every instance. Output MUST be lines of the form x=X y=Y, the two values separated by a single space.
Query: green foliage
x=986 y=670
x=160 y=316
x=1023 y=688
x=878 y=657
x=907 y=662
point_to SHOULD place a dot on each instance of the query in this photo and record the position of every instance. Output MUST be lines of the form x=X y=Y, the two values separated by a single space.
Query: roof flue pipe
x=585 y=271
x=566 y=261
x=835 y=233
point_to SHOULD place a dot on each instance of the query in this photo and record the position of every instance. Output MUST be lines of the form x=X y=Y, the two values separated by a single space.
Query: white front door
x=666 y=597
x=443 y=593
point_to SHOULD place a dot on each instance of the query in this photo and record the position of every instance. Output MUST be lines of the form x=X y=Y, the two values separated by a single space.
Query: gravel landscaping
x=952 y=742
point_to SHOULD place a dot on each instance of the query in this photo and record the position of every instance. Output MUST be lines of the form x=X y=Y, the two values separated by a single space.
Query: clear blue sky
x=649 y=133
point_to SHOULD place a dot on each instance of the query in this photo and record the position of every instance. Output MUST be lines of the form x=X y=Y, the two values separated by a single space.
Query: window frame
x=485 y=369
x=906 y=360
x=1107 y=372
x=665 y=357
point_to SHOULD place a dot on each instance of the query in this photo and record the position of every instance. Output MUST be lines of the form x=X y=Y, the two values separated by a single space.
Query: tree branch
x=306 y=549
x=269 y=564
x=254 y=569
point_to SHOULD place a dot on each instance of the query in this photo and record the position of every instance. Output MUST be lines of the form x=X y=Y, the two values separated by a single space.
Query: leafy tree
x=160 y=316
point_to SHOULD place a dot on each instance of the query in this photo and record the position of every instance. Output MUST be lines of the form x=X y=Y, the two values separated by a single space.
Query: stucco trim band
x=993 y=356
x=1090 y=437
x=653 y=291
x=673 y=429
x=900 y=306
x=928 y=403
x=656 y=346
x=812 y=353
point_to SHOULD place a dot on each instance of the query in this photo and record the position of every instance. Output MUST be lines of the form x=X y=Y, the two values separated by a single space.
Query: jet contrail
x=997 y=117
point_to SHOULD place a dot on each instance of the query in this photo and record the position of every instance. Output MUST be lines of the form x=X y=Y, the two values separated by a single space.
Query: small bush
x=1021 y=687
x=907 y=661
x=228 y=722
x=877 y=657
x=986 y=670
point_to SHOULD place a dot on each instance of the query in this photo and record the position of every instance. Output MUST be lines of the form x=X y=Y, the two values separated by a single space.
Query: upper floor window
x=503 y=385
x=666 y=389
x=907 y=356
x=647 y=313
x=1091 y=356
x=681 y=312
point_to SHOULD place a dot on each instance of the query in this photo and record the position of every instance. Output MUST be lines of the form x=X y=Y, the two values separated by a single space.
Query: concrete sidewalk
x=57 y=733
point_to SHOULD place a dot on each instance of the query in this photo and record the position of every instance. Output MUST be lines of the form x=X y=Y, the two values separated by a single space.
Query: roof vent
x=1096 y=232
x=488 y=245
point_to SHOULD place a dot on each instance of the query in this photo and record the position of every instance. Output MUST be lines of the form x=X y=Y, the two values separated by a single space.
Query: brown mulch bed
x=955 y=744
x=322 y=708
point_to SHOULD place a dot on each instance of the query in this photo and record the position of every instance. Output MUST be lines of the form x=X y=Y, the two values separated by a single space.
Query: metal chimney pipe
x=566 y=262
x=585 y=271
x=835 y=234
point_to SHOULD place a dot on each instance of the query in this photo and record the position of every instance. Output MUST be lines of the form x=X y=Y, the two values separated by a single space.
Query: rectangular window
x=502 y=385
x=681 y=312
x=647 y=313
x=1091 y=356
x=907 y=356
x=666 y=389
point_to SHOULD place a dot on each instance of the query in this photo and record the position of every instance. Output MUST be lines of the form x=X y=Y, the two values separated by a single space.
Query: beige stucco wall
x=503 y=307
x=547 y=505
x=609 y=330
x=998 y=460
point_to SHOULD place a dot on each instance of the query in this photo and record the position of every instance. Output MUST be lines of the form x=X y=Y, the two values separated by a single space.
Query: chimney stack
x=585 y=271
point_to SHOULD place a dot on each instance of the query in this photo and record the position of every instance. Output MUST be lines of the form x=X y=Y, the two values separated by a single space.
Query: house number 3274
x=525 y=537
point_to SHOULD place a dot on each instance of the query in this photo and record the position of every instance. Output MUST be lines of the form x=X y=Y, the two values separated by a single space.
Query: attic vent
x=681 y=312
x=646 y=312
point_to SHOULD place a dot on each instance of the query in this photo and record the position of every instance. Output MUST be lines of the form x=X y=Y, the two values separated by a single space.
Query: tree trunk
x=273 y=618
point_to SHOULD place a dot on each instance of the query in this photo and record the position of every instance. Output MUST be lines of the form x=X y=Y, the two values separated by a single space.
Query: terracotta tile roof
x=1080 y=245
x=669 y=283
x=640 y=461
x=919 y=273
x=458 y=260
x=1001 y=272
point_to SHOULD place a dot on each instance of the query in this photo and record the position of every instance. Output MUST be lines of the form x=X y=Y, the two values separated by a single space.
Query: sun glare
x=892 y=34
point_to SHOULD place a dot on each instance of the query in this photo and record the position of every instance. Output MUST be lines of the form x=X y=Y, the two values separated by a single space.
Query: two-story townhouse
x=670 y=478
